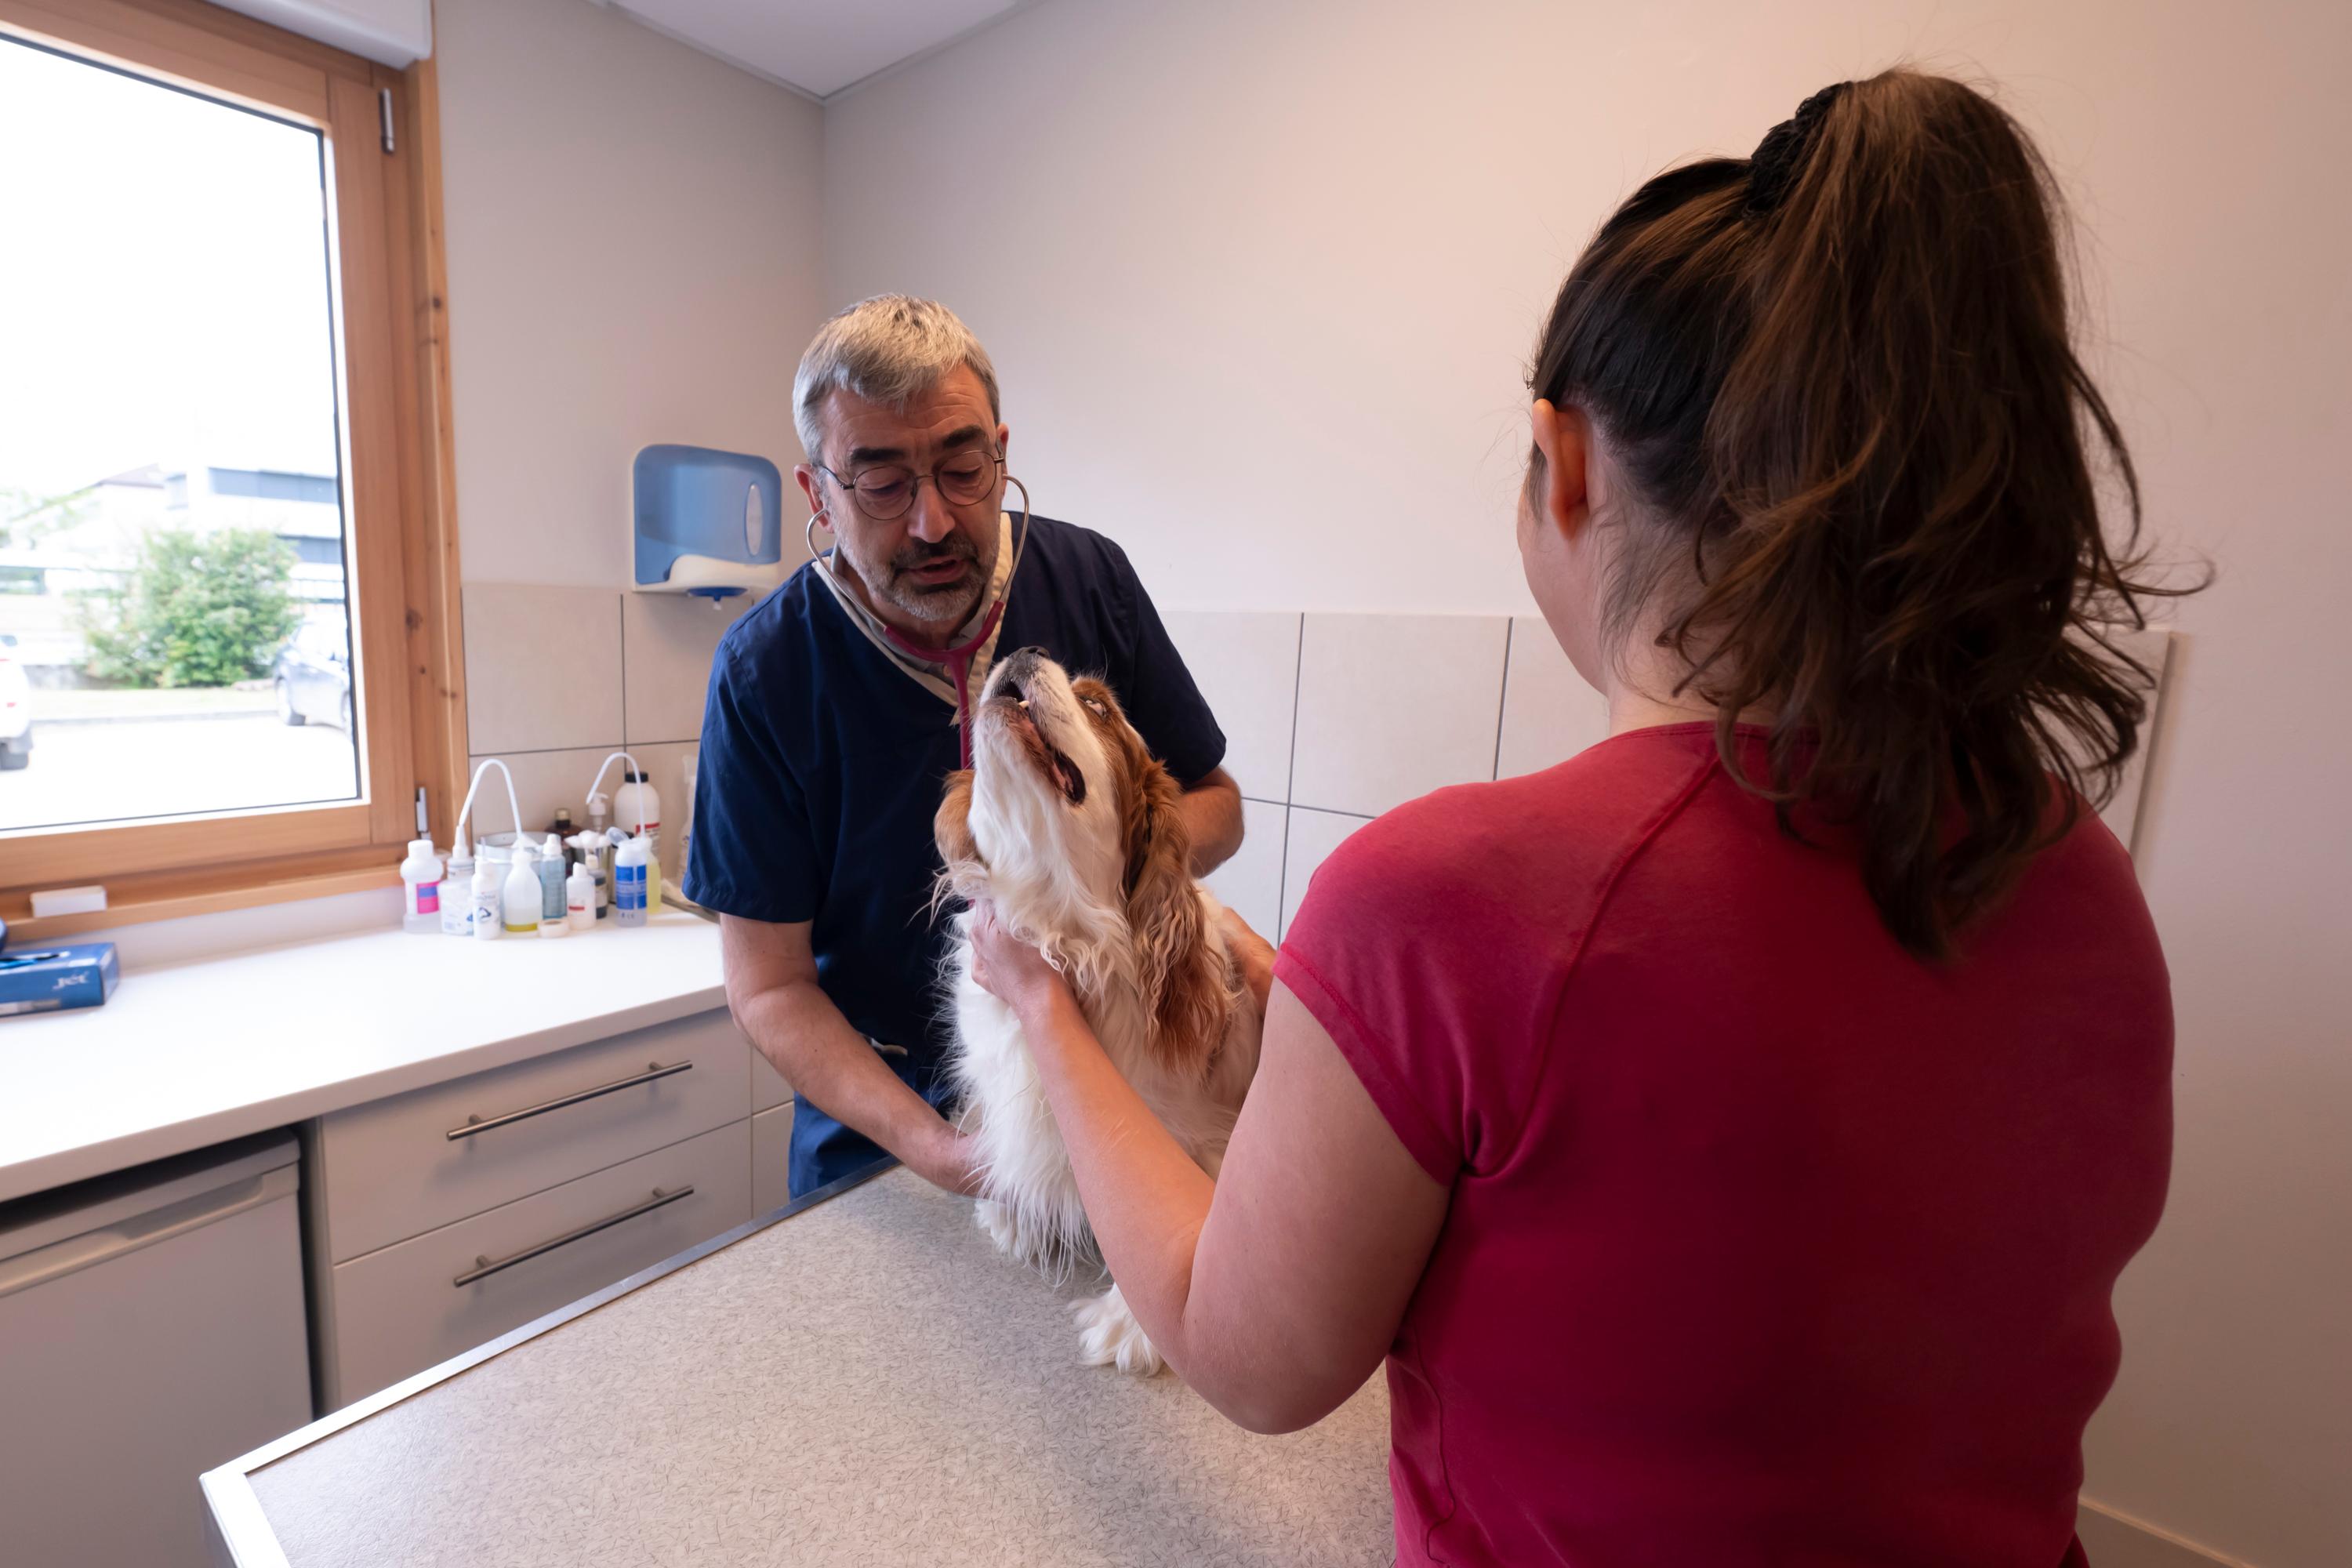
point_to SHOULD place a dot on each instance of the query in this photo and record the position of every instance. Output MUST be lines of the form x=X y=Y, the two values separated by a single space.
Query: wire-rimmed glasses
x=885 y=490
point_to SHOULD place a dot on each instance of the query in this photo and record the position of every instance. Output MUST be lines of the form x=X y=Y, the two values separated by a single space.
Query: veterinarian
x=1723 y=1190
x=838 y=708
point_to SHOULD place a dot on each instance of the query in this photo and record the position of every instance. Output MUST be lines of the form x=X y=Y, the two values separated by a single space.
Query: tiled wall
x=1331 y=719
x=559 y=678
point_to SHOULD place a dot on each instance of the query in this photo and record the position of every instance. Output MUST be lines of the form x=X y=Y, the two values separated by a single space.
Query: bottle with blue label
x=629 y=864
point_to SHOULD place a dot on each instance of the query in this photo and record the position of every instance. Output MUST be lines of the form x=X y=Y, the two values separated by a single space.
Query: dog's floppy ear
x=962 y=872
x=1183 y=984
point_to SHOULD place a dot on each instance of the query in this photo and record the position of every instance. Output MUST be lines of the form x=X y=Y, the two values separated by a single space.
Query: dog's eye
x=1095 y=703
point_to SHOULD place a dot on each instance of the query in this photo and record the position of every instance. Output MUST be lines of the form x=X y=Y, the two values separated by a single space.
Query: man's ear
x=1563 y=436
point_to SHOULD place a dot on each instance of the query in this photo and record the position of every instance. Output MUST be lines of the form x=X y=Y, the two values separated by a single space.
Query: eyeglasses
x=886 y=490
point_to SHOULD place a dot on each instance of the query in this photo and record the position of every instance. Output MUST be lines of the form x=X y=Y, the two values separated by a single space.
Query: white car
x=15 y=707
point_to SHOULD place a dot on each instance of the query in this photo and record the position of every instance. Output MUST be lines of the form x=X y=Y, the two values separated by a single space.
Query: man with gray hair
x=840 y=702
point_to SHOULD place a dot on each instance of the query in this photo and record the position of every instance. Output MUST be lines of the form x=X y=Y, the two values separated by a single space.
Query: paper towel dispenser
x=707 y=522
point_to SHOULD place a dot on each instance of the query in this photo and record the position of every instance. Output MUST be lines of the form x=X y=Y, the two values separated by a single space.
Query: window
x=227 y=565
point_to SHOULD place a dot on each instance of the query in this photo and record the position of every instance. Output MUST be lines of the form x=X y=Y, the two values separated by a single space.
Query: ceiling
x=820 y=47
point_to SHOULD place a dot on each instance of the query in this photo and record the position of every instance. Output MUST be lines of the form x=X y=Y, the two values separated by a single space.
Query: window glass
x=175 y=594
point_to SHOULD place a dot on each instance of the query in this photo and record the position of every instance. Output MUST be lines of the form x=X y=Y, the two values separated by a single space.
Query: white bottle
x=595 y=848
x=487 y=919
x=580 y=897
x=420 y=889
x=457 y=891
x=600 y=812
x=521 y=899
x=687 y=767
x=629 y=864
x=636 y=809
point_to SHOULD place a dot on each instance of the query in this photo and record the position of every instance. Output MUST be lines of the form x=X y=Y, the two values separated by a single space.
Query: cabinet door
x=413 y=1305
x=772 y=1154
x=392 y=1170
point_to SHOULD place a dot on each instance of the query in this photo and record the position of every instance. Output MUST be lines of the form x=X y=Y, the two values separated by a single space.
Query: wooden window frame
x=391 y=292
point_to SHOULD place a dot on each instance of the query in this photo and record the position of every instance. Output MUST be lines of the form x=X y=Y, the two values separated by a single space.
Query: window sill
x=134 y=900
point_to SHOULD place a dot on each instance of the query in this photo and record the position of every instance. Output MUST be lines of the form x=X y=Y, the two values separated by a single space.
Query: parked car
x=15 y=707
x=313 y=675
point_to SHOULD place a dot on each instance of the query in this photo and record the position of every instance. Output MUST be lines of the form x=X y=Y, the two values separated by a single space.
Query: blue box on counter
x=46 y=979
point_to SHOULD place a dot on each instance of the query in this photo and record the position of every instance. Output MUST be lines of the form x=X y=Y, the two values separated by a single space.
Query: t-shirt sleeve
x=752 y=854
x=1162 y=701
x=1408 y=949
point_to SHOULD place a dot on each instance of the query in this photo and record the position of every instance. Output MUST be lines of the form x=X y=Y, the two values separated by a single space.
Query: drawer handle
x=654 y=1070
x=483 y=1268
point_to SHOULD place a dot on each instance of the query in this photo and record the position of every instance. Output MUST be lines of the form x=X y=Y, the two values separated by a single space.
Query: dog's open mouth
x=1050 y=758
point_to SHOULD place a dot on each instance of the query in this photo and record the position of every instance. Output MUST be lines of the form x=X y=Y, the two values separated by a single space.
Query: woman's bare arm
x=1274 y=1290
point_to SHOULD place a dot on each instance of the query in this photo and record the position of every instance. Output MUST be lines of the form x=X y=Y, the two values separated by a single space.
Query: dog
x=1071 y=826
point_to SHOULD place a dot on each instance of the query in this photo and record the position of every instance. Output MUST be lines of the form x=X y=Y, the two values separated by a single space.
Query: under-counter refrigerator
x=151 y=1328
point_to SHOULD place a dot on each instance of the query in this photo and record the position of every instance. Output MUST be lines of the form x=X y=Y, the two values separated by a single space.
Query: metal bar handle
x=654 y=1072
x=483 y=1268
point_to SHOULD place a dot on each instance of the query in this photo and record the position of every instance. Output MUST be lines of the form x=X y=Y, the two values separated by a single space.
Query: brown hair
x=1840 y=380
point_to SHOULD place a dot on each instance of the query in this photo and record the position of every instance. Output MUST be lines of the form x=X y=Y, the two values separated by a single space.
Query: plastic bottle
x=636 y=808
x=593 y=850
x=458 y=890
x=580 y=897
x=630 y=863
x=420 y=889
x=488 y=921
x=521 y=899
x=600 y=812
x=687 y=767
x=550 y=883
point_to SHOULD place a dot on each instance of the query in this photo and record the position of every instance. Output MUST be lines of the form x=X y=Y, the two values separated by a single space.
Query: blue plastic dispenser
x=706 y=522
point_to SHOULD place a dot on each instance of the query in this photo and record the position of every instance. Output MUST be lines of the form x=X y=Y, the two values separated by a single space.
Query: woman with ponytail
x=1731 y=1137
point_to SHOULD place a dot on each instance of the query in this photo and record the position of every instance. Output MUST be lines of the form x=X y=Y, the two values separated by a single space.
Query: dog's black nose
x=1021 y=659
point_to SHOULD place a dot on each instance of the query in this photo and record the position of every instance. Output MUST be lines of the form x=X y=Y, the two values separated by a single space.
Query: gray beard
x=948 y=608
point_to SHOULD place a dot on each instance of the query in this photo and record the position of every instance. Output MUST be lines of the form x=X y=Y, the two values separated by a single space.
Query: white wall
x=632 y=234
x=633 y=243
x=1260 y=277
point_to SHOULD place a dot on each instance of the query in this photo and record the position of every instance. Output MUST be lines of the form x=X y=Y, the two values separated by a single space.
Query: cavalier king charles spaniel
x=1067 y=822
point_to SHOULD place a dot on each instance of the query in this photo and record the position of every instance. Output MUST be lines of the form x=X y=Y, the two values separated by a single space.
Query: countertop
x=864 y=1382
x=194 y=1053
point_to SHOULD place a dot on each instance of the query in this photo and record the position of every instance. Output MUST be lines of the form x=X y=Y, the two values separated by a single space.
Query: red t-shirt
x=1767 y=1243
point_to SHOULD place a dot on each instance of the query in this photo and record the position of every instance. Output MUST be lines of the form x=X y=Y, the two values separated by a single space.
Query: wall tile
x=543 y=667
x=1549 y=714
x=1245 y=663
x=1391 y=707
x=1312 y=835
x=1251 y=882
x=542 y=781
x=666 y=641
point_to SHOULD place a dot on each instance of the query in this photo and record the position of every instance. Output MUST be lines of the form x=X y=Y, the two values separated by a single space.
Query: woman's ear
x=1183 y=984
x=1563 y=438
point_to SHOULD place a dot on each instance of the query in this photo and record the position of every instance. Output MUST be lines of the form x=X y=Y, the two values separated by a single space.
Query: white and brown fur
x=1067 y=822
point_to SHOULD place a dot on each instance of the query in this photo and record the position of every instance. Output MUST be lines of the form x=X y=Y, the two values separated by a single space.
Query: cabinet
x=446 y=1217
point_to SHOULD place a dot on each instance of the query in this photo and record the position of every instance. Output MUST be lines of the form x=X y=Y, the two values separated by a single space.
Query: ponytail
x=1840 y=377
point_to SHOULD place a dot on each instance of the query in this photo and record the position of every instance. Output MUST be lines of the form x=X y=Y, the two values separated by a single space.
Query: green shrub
x=201 y=609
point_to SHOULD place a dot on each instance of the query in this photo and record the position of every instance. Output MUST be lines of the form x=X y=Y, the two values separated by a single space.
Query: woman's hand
x=1007 y=967
x=1251 y=952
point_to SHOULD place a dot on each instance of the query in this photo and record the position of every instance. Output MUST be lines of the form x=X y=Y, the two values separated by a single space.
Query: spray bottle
x=551 y=888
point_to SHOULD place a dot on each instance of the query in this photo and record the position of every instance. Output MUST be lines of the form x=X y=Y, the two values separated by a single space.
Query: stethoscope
x=956 y=658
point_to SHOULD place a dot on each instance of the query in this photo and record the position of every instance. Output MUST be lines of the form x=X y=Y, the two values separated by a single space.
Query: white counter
x=190 y=1054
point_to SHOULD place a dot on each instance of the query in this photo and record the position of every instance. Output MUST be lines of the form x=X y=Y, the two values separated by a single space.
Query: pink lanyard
x=959 y=662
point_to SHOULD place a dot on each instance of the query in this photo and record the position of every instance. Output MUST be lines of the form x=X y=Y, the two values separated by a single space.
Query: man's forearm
x=800 y=1032
x=1212 y=820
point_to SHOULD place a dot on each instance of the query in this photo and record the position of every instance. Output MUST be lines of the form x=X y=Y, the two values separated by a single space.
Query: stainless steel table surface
x=866 y=1381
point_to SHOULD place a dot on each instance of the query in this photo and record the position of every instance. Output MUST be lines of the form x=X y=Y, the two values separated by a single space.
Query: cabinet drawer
x=771 y=1159
x=391 y=1170
x=769 y=1088
x=400 y=1310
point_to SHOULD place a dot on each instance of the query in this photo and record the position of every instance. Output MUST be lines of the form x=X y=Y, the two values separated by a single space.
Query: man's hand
x=1252 y=952
x=1212 y=810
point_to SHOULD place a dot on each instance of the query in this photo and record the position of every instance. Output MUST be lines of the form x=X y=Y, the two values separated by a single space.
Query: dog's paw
x=1109 y=1335
x=996 y=1219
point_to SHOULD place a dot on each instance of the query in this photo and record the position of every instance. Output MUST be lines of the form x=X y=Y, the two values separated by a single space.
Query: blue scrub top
x=823 y=763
